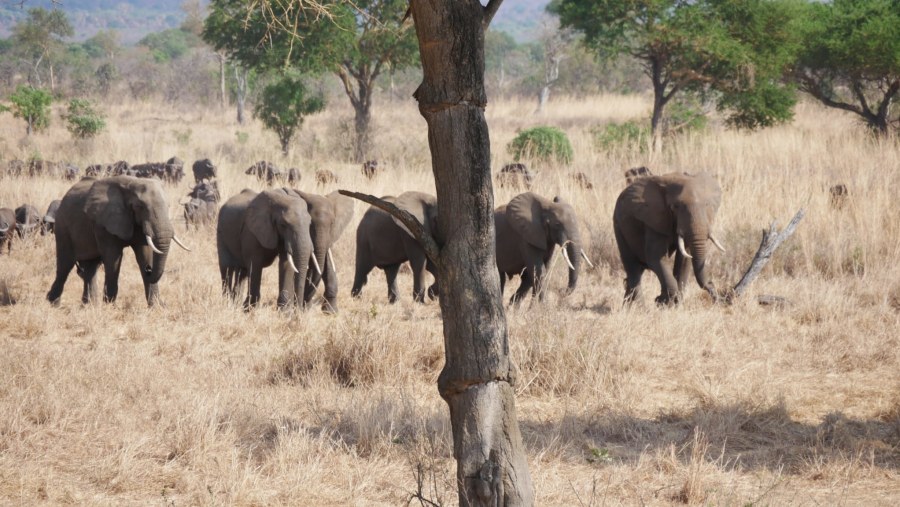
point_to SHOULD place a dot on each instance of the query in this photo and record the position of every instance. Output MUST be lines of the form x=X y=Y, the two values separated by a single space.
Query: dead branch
x=771 y=240
x=432 y=250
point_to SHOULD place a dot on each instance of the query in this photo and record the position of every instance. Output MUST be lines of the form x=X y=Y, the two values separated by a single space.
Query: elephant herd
x=661 y=223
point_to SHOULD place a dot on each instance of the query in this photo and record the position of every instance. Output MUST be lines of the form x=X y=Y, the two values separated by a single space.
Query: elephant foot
x=433 y=292
x=667 y=299
x=329 y=307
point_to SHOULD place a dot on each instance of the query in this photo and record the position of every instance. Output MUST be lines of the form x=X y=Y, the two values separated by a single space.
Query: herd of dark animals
x=201 y=208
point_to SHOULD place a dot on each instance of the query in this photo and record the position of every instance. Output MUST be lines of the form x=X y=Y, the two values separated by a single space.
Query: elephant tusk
x=591 y=264
x=152 y=246
x=316 y=265
x=566 y=257
x=179 y=243
x=331 y=261
x=681 y=247
x=48 y=219
x=716 y=242
x=4 y=228
x=291 y=263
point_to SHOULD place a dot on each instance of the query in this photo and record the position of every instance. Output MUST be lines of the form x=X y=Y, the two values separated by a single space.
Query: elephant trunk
x=158 y=265
x=300 y=251
x=572 y=248
x=699 y=251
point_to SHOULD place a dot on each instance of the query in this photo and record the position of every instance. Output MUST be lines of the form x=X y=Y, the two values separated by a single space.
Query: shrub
x=282 y=107
x=541 y=143
x=83 y=121
x=629 y=135
x=684 y=117
x=32 y=105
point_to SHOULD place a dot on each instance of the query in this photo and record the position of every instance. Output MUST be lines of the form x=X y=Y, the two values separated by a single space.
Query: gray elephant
x=97 y=219
x=382 y=242
x=28 y=221
x=7 y=228
x=49 y=218
x=252 y=231
x=657 y=217
x=329 y=215
x=529 y=229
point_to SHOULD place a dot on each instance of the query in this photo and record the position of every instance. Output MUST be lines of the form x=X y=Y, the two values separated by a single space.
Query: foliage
x=851 y=57
x=282 y=106
x=39 y=37
x=106 y=74
x=82 y=120
x=33 y=106
x=727 y=46
x=685 y=116
x=541 y=143
x=630 y=135
x=169 y=45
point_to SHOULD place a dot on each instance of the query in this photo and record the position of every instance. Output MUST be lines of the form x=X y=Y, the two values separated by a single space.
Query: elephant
x=252 y=231
x=7 y=226
x=49 y=218
x=658 y=216
x=529 y=229
x=381 y=242
x=28 y=220
x=329 y=215
x=97 y=219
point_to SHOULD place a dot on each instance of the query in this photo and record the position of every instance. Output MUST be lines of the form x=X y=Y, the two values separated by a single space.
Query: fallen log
x=771 y=240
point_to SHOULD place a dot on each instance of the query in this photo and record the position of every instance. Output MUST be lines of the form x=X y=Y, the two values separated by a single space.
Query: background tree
x=555 y=43
x=708 y=45
x=360 y=42
x=851 y=58
x=283 y=106
x=33 y=106
x=38 y=39
x=82 y=120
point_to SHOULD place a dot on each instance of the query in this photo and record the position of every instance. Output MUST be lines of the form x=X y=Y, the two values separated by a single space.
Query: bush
x=541 y=143
x=83 y=121
x=32 y=105
x=684 y=117
x=629 y=135
x=282 y=107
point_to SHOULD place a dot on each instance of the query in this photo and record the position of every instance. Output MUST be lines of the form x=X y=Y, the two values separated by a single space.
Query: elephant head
x=684 y=207
x=423 y=207
x=281 y=222
x=545 y=224
x=135 y=211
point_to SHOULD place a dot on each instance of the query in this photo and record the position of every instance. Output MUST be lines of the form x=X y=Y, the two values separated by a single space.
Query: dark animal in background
x=324 y=176
x=840 y=194
x=7 y=226
x=94 y=171
x=204 y=170
x=49 y=218
x=582 y=181
x=35 y=168
x=293 y=175
x=370 y=169
x=174 y=170
x=120 y=168
x=636 y=173
x=28 y=220
x=265 y=171
x=515 y=176
x=71 y=172
x=15 y=167
x=203 y=205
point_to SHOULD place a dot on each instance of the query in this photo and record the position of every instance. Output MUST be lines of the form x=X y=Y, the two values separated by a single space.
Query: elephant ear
x=343 y=213
x=525 y=213
x=422 y=206
x=259 y=221
x=651 y=196
x=107 y=206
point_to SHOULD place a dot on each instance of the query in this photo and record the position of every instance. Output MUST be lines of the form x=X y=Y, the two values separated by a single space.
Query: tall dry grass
x=198 y=402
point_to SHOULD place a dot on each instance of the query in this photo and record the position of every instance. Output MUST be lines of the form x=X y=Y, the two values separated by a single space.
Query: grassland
x=199 y=403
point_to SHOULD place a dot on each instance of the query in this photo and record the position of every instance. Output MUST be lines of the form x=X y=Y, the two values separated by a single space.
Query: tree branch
x=771 y=240
x=344 y=76
x=489 y=10
x=432 y=250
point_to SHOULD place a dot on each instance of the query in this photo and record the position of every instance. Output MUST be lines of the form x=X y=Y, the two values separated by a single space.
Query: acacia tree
x=39 y=38
x=361 y=41
x=735 y=48
x=851 y=58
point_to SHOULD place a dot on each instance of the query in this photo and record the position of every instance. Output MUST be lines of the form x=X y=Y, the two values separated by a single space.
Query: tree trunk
x=478 y=376
x=52 y=80
x=362 y=146
x=222 y=94
x=240 y=77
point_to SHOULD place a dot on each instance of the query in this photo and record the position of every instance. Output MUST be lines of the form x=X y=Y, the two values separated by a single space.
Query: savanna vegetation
x=199 y=402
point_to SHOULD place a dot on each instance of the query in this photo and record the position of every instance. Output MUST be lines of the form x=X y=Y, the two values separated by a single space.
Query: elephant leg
x=87 y=270
x=255 y=281
x=633 y=273
x=112 y=263
x=364 y=266
x=390 y=273
x=538 y=277
x=286 y=294
x=239 y=276
x=524 y=288
x=434 y=291
x=657 y=249
x=227 y=275
x=331 y=288
x=65 y=261
x=418 y=271
x=143 y=256
x=682 y=271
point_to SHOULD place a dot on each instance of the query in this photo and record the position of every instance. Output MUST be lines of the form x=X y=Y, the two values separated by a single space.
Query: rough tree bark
x=478 y=376
x=771 y=240
x=240 y=95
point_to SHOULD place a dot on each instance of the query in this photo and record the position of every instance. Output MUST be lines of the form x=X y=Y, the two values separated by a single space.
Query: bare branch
x=489 y=10
x=771 y=240
x=432 y=250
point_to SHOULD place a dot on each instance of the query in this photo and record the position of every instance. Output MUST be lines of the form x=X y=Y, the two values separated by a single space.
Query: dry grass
x=200 y=403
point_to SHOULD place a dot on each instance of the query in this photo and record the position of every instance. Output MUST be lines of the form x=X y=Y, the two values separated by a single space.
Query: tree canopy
x=39 y=37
